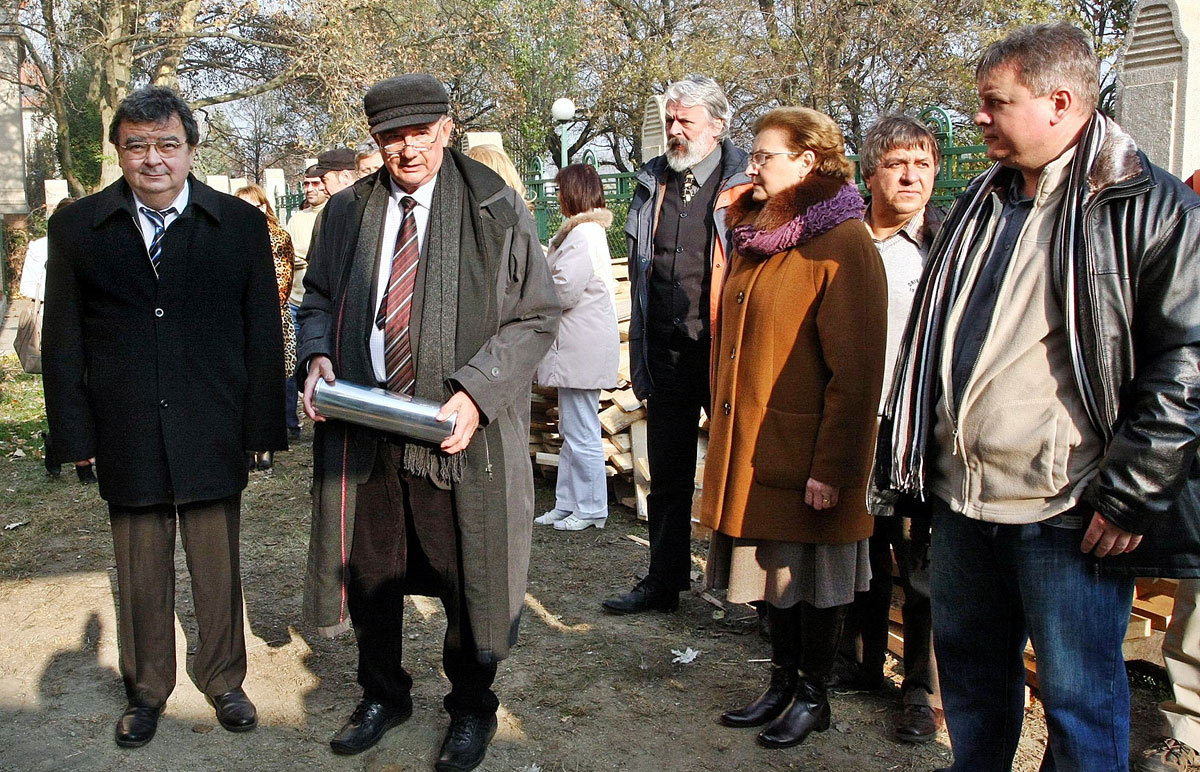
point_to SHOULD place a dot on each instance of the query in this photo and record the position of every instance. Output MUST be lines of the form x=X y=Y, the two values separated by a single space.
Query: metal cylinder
x=383 y=410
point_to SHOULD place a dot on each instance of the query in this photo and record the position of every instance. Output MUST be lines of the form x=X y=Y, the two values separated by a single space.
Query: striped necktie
x=396 y=309
x=159 y=219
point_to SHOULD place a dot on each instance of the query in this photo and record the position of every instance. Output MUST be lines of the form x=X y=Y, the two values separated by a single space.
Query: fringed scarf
x=908 y=414
x=439 y=321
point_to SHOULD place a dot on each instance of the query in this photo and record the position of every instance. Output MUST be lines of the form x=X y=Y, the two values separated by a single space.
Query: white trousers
x=1181 y=652
x=582 y=487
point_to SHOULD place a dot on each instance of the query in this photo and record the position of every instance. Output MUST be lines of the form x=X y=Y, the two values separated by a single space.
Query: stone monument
x=12 y=133
x=1158 y=83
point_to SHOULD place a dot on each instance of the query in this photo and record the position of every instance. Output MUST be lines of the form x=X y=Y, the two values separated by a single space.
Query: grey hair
x=893 y=131
x=1046 y=57
x=155 y=105
x=702 y=90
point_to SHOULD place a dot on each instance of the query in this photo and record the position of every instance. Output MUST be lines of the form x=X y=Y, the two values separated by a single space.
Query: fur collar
x=601 y=217
x=1117 y=161
x=785 y=206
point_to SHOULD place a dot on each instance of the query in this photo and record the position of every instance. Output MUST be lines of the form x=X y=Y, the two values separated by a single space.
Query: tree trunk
x=116 y=68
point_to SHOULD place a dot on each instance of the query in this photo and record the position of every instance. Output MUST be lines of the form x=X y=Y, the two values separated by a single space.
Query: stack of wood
x=622 y=420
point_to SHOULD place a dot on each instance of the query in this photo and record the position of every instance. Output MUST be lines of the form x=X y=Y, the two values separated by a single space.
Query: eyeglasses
x=139 y=149
x=761 y=157
x=419 y=143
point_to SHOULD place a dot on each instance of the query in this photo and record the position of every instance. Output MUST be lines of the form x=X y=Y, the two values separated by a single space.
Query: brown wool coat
x=797 y=370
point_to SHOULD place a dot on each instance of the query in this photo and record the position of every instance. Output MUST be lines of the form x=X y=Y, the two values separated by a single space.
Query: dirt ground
x=583 y=690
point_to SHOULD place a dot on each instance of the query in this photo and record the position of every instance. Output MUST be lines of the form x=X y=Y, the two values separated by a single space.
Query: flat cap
x=406 y=100
x=313 y=171
x=339 y=159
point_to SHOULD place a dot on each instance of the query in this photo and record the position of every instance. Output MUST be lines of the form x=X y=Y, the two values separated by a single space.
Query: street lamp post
x=563 y=111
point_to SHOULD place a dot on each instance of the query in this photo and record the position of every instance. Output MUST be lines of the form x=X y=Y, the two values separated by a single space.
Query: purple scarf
x=822 y=216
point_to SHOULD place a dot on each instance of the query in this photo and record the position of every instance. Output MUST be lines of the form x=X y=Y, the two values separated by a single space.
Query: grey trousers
x=144 y=544
x=582 y=487
x=1181 y=652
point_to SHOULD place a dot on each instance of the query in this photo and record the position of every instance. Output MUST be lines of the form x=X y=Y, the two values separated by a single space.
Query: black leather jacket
x=1137 y=358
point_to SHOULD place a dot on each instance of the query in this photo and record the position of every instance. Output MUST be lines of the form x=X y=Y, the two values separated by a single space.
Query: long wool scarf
x=806 y=224
x=439 y=321
x=908 y=415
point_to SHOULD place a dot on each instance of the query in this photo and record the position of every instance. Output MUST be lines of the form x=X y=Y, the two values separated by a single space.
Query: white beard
x=693 y=156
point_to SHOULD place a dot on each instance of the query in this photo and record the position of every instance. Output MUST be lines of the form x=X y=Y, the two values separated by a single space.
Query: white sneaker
x=552 y=517
x=572 y=523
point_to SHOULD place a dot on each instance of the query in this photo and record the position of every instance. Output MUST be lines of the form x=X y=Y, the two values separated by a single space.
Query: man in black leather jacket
x=1047 y=401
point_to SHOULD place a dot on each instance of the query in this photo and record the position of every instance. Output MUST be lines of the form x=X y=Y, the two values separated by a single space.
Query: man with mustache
x=677 y=251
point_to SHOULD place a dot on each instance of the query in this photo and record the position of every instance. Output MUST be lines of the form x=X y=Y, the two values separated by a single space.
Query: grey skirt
x=784 y=573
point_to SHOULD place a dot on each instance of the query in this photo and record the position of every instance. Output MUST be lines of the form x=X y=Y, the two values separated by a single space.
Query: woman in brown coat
x=797 y=369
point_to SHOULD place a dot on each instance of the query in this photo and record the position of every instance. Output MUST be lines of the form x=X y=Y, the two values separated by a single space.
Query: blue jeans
x=995 y=586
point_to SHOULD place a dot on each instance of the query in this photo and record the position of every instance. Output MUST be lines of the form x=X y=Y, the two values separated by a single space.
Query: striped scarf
x=908 y=415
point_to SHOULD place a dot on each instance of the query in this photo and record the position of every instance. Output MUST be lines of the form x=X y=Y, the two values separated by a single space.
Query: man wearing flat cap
x=427 y=280
x=337 y=169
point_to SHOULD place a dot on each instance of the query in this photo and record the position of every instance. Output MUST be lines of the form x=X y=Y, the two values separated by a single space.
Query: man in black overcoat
x=162 y=358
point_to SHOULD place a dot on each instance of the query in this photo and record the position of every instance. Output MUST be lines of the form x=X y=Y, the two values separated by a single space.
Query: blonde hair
x=256 y=195
x=807 y=129
x=498 y=161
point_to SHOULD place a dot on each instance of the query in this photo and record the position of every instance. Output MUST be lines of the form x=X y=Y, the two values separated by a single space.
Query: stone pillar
x=12 y=133
x=654 y=128
x=236 y=183
x=476 y=138
x=1158 y=81
x=218 y=182
x=275 y=183
x=56 y=190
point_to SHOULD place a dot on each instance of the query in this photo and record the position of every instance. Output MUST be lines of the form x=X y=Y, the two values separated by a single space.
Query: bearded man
x=678 y=248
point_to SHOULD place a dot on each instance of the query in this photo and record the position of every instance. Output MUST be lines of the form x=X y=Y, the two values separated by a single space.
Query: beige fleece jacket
x=1021 y=448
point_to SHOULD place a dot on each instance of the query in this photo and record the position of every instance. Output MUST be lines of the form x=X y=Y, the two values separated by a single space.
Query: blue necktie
x=159 y=219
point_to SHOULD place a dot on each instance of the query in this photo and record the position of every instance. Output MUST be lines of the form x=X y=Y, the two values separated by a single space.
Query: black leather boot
x=767 y=705
x=784 y=625
x=808 y=712
x=820 y=633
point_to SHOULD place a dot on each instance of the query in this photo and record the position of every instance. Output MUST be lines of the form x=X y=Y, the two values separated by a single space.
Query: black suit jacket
x=167 y=381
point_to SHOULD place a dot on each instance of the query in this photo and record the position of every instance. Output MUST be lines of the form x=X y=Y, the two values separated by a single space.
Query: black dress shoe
x=917 y=724
x=367 y=724
x=136 y=726
x=266 y=460
x=466 y=742
x=235 y=711
x=86 y=474
x=644 y=596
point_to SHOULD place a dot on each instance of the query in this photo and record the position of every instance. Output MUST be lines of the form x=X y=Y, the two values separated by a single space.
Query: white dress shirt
x=146 y=225
x=387 y=242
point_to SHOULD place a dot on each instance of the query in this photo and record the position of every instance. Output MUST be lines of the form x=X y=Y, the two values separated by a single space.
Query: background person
x=302 y=227
x=368 y=161
x=494 y=158
x=793 y=424
x=585 y=354
x=284 y=257
x=338 y=169
x=33 y=286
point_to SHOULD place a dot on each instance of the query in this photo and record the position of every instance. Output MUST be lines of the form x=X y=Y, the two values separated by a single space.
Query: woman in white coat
x=584 y=357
